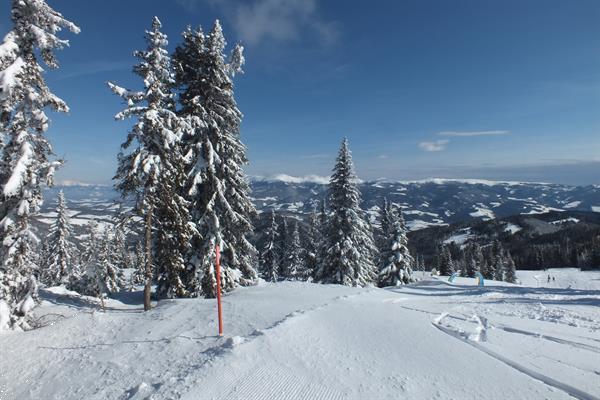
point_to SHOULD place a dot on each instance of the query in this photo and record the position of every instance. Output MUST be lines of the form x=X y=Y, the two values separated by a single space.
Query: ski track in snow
x=304 y=341
x=295 y=386
x=570 y=390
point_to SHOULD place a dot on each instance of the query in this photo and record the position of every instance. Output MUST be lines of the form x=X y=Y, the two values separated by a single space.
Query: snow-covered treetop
x=157 y=129
x=343 y=188
x=36 y=26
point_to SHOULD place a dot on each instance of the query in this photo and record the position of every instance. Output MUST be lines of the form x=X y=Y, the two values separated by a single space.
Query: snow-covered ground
x=433 y=339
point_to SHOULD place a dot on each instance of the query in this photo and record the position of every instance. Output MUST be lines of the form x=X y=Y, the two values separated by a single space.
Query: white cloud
x=437 y=145
x=383 y=156
x=472 y=133
x=279 y=20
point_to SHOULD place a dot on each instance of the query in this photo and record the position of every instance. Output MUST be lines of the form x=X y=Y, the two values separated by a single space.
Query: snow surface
x=512 y=228
x=572 y=204
x=460 y=237
x=296 y=340
x=482 y=211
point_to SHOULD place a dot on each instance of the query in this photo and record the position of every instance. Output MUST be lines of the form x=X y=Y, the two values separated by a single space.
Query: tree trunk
x=148 y=286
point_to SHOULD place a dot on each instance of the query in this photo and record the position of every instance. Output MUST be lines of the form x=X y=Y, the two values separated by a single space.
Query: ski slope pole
x=218 y=262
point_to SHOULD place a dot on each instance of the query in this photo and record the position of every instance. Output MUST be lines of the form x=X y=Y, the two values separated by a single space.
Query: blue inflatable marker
x=479 y=279
x=454 y=275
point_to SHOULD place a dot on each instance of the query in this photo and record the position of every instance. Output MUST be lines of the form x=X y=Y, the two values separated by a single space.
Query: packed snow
x=292 y=340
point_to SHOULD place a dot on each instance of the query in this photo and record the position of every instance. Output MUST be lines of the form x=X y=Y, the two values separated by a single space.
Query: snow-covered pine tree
x=269 y=258
x=138 y=275
x=396 y=263
x=321 y=238
x=111 y=277
x=311 y=245
x=473 y=259
x=446 y=264
x=60 y=264
x=510 y=270
x=350 y=245
x=295 y=268
x=81 y=281
x=219 y=192
x=283 y=246
x=120 y=254
x=498 y=267
x=153 y=171
x=385 y=222
x=25 y=153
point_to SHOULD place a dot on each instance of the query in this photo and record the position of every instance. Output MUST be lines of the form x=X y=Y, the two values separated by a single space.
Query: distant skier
x=548 y=278
x=553 y=280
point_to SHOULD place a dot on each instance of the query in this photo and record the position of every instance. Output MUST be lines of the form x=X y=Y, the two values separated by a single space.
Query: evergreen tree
x=295 y=269
x=152 y=169
x=138 y=276
x=498 y=267
x=283 y=247
x=60 y=264
x=25 y=153
x=473 y=260
x=396 y=262
x=312 y=245
x=510 y=270
x=120 y=254
x=321 y=239
x=350 y=246
x=219 y=193
x=109 y=275
x=269 y=258
x=385 y=227
x=446 y=264
x=84 y=280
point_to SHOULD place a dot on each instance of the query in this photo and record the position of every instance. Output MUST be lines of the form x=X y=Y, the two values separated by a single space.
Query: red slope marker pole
x=218 y=261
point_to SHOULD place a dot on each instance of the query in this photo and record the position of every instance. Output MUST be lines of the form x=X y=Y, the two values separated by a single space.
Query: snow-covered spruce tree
x=384 y=225
x=60 y=264
x=294 y=264
x=473 y=259
x=81 y=281
x=396 y=262
x=25 y=153
x=510 y=270
x=311 y=244
x=120 y=254
x=283 y=246
x=151 y=165
x=446 y=264
x=269 y=257
x=138 y=275
x=219 y=193
x=321 y=239
x=498 y=267
x=111 y=276
x=350 y=246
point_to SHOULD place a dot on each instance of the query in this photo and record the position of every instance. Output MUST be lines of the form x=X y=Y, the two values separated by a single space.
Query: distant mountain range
x=528 y=218
x=425 y=203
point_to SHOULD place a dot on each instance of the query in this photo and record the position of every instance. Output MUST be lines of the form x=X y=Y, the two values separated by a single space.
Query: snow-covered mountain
x=425 y=203
x=435 y=201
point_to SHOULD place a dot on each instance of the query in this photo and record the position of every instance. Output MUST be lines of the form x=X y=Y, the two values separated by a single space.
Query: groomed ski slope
x=306 y=341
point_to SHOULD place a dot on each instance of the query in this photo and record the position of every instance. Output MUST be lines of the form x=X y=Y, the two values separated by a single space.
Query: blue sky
x=448 y=88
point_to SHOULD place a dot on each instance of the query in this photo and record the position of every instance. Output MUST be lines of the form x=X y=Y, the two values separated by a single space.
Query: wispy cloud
x=437 y=145
x=278 y=20
x=383 y=156
x=472 y=133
